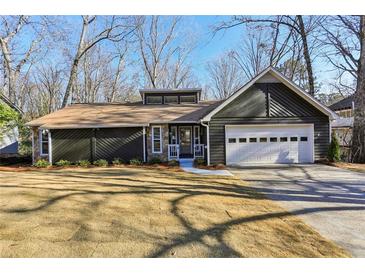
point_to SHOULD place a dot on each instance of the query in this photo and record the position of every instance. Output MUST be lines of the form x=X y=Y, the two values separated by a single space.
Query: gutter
x=208 y=143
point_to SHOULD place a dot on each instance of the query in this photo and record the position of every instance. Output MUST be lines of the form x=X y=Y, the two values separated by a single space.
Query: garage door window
x=231 y=140
x=303 y=139
x=253 y=140
x=283 y=139
x=273 y=139
x=293 y=139
x=156 y=140
x=263 y=140
x=242 y=140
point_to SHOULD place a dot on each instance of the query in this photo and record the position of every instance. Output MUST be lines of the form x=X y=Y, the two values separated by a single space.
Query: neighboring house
x=342 y=126
x=269 y=120
x=9 y=142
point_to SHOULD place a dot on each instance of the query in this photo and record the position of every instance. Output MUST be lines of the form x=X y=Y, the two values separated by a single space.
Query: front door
x=185 y=140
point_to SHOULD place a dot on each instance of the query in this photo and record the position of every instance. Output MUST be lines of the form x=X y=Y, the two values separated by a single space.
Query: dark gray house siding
x=268 y=104
x=94 y=144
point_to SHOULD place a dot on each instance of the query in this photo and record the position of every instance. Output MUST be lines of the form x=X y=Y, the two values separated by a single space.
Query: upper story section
x=344 y=107
x=170 y=96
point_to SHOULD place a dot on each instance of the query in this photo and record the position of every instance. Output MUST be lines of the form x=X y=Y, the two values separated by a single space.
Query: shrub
x=101 y=163
x=135 y=162
x=199 y=162
x=63 y=163
x=42 y=163
x=173 y=163
x=154 y=161
x=83 y=163
x=334 y=150
x=117 y=161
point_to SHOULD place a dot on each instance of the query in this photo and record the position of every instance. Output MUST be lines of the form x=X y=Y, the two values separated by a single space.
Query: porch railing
x=199 y=151
x=173 y=152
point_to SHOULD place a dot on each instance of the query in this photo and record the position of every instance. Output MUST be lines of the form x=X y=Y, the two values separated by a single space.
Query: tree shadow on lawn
x=183 y=188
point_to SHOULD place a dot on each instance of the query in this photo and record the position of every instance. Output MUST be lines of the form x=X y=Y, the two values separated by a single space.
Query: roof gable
x=269 y=75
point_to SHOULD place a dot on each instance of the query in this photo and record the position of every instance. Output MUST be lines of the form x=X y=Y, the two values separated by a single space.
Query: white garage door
x=269 y=144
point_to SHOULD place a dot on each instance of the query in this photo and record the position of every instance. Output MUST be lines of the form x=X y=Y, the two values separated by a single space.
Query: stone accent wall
x=165 y=141
x=36 y=146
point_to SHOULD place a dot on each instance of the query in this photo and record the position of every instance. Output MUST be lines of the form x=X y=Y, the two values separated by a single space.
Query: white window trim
x=40 y=136
x=153 y=139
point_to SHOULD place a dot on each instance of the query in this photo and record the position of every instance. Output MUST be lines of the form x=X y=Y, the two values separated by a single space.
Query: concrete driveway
x=330 y=199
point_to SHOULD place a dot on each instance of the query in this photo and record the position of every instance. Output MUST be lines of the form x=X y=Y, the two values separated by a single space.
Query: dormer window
x=187 y=99
x=154 y=100
x=170 y=99
x=170 y=96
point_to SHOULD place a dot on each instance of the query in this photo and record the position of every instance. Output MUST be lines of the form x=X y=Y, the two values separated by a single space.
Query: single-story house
x=9 y=140
x=268 y=120
x=342 y=126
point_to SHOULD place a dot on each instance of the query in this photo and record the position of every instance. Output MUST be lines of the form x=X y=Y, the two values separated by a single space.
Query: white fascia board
x=290 y=84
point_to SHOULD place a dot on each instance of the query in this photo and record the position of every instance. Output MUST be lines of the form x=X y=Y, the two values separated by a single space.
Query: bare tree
x=252 y=56
x=225 y=76
x=295 y=24
x=115 y=29
x=344 y=37
x=49 y=83
x=14 y=54
x=164 y=57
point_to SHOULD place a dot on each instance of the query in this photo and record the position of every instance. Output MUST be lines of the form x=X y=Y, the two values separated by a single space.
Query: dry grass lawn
x=137 y=212
x=350 y=166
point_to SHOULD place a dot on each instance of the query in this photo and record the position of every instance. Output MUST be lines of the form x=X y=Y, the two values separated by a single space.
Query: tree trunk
x=306 y=54
x=358 y=136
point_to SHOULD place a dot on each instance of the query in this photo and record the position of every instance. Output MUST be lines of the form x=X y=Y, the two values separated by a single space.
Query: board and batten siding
x=93 y=144
x=268 y=103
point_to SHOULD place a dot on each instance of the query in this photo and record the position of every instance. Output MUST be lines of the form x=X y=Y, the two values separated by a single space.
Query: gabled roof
x=346 y=103
x=7 y=101
x=270 y=71
x=122 y=115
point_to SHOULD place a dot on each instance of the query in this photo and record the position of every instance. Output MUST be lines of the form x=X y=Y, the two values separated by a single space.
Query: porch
x=186 y=141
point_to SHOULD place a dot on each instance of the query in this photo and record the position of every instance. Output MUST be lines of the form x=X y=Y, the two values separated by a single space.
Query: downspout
x=32 y=146
x=208 y=143
x=49 y=147
x=144 y=144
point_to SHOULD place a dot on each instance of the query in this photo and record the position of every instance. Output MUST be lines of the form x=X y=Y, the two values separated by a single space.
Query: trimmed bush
x=154 y=161
x=135 y=162
x=334 y=153
x=63 y=163
x=101 y=163
x=83 y=163
x=173 y=163
x=42 y=163
x=117 y=161
x=199 y=162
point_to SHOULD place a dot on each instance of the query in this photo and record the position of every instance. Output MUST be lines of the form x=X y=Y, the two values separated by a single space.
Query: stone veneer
x=165 y=141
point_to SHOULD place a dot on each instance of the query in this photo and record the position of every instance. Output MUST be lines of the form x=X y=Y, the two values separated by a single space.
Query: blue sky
x=208 y=47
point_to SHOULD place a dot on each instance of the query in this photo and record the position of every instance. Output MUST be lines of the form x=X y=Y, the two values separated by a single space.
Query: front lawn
x=146 y=212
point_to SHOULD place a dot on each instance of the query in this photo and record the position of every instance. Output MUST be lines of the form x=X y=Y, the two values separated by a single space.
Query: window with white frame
x=196 y=135
x=156 y=139
x=44 y=141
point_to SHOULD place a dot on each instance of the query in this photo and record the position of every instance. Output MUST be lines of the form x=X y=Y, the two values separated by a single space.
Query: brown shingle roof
x=123 y=115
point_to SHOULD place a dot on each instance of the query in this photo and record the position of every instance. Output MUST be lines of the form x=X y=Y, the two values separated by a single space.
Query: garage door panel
x=274 y=144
